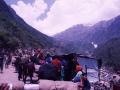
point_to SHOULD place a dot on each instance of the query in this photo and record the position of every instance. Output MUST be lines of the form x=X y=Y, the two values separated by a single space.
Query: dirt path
x=8 y=76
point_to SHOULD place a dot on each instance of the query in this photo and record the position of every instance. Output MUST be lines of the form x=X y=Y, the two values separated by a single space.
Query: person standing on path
x=1 y=61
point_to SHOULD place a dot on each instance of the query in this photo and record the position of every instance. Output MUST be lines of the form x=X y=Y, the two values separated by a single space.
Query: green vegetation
x=7 y=41
x=110 y=53
x=14 y=32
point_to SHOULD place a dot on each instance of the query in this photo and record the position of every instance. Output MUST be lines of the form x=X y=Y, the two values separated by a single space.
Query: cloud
x=30 y=12
x=66 y=13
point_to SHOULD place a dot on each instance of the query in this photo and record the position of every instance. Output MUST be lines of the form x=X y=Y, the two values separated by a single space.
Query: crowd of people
x=51 y=67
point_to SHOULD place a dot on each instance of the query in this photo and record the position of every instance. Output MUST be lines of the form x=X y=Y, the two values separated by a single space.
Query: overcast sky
x=53 y=16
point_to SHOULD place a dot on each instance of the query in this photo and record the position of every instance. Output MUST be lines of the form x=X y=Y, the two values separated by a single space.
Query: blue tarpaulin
x=91 y=63
x=92 y=68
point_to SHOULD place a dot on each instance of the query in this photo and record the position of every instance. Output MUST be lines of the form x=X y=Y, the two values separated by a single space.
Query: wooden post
x=99 y=62
x=86 y=69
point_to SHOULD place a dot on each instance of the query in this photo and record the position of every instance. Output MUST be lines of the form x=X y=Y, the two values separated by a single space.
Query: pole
x=99 y=61
x=99 y=74
x=86 y=69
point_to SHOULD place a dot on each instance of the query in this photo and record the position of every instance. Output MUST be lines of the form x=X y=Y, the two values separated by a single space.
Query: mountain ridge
x=99 y=33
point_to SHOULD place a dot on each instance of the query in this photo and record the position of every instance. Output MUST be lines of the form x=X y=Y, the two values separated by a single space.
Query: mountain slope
x=73 y=39
x=110 y=53
x=14 y=29
x=84 y=36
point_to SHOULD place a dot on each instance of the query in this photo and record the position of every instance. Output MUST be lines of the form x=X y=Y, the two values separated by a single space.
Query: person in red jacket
x=56 y=61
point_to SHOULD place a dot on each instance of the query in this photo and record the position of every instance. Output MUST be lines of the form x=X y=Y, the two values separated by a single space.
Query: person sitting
x=78 y=76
